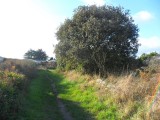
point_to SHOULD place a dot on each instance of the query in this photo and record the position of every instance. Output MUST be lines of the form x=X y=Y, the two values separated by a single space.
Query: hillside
x=29 y=92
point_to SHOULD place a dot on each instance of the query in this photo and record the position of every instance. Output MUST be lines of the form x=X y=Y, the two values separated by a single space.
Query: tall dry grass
x=132 y=95
x=26 y=67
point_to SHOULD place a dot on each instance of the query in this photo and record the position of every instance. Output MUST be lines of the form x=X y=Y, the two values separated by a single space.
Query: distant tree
x=29 y=54
x=51 y=58
x=145 y=58
x=36 y=54
x=97 y=39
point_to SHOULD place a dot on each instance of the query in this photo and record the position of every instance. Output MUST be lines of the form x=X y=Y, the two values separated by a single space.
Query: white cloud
x=152 y=42
x=143 y=16
x=149 y=44
x=92 y=2
x=25 y=25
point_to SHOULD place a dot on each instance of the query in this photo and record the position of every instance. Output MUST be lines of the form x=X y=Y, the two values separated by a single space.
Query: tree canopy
x=145 y=56
x=36 y=54
x=97 y=39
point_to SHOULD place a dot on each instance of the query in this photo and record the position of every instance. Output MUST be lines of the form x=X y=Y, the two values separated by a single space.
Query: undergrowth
x=14 y=79
x=11 y=85
x=123 y=97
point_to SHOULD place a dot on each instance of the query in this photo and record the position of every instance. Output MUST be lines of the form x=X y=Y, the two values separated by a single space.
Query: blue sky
x=31 y=24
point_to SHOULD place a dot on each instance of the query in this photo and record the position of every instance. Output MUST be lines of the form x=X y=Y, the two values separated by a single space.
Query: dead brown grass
x=132 y=95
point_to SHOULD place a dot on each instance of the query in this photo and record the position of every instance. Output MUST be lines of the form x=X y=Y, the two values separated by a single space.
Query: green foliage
x=145 y=56
x=10 y=86
x=100 y=39
x=14 y=79
x=152 y=62
x=40 y=102
x=36 y=54
x=81 y=99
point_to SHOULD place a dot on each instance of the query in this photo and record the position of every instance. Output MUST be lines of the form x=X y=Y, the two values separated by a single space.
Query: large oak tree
x=97 y=39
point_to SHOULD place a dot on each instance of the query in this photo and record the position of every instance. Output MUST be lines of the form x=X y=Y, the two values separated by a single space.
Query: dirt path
x=61 y=106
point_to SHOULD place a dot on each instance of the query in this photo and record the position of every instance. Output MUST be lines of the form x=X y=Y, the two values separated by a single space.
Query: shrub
x=14 y=78
x=11 y=87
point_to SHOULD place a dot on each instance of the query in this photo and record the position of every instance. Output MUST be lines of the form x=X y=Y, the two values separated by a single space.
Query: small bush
x=11 y=87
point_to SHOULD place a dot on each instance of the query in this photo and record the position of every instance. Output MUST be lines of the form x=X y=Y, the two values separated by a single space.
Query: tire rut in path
x=61 y=106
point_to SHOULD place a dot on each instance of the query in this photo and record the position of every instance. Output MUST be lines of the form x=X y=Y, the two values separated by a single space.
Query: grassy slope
x=40 y=102
x=82 y=103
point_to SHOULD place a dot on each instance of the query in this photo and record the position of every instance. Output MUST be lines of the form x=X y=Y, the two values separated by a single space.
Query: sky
x=32 y=24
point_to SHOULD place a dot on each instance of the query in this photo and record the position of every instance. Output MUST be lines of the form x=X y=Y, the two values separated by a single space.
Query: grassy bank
x=81 y=99
x=123 y=97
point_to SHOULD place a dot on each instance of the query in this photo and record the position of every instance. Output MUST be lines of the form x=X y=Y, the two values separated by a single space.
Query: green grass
x=40 y=102
x=83 y=104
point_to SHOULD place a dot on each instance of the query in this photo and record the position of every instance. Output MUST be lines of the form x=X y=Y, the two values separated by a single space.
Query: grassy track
x=40 y=102
x=83 y=104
